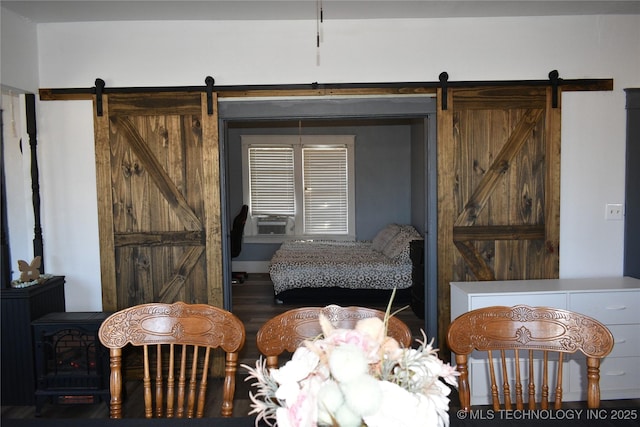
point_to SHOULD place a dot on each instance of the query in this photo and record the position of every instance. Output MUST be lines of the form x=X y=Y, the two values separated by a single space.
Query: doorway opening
x=395 y=177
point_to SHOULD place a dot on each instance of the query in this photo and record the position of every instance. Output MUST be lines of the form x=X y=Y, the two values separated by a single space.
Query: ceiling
x=114 y=10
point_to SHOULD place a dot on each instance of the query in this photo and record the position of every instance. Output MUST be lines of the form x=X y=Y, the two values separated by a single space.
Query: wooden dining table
x=623 y=416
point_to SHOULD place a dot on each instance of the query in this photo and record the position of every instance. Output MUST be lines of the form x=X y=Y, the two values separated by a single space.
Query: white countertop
x=551 y=285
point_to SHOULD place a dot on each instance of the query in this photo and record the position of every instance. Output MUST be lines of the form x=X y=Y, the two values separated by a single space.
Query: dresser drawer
x=626 y=340
x=531 y=299
x=616 y=373
x=609 y=308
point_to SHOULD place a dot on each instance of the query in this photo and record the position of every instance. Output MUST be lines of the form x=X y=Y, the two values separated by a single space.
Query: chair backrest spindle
x=203 y=385
x=159 y=381
x=146 y=379
x=494 y=384
x=505 y=381
x=182 y=382
x=519 y=399
x=192 y=383
x=558 y=400
x=532 y=383
x=171 y=381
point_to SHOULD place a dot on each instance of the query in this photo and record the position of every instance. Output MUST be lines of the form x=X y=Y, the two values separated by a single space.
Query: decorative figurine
x=29 y=272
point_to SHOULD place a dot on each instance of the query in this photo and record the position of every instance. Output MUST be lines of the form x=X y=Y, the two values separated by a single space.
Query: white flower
x=282 y=418
x=435 y=409
x=362 y=394
x=347 y=362
x=400 y=408
x=302 y=363
x=449 y=374
x=345 y=417
x=330 y=399
x=288 y=392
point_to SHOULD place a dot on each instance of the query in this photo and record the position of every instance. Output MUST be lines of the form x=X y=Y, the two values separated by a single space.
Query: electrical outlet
x=614 y=212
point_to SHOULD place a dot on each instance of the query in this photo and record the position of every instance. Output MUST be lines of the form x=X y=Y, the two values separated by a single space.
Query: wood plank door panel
x=159 y=209
x=498 y=188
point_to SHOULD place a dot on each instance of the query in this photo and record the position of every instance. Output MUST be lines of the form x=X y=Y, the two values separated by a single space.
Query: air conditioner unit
x=273 y=225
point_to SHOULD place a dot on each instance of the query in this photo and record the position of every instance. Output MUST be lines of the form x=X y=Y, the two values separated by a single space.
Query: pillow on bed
x=410 y=230
x=401 y=241
x=385 y=236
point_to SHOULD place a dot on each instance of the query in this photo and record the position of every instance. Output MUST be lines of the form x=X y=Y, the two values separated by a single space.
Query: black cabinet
x=21 y=306
x=417 y=277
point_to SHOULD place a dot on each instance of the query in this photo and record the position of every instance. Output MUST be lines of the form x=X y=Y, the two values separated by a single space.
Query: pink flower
x=374 y=327
x=352 y=337
x=303 y=411
x=391 y=348
x=449 y=374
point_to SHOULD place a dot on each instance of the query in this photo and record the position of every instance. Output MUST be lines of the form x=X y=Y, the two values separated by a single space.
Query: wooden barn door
x=158 y=199
x=498 y=187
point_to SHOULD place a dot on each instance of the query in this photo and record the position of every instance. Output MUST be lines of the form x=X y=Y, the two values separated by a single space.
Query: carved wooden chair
x=288 y=330
x=521 y=335
x=182 y=334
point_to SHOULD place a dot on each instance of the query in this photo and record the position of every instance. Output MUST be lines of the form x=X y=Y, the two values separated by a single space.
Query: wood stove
x=72 y=366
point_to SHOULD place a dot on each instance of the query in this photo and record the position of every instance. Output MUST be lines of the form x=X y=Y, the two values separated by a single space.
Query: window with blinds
x=326 y=190
x=299 y=185
x=271 y=182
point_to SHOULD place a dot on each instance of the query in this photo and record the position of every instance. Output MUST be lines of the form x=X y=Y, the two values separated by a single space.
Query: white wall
x=18 y=75
x=19 y=48
x=255 y=52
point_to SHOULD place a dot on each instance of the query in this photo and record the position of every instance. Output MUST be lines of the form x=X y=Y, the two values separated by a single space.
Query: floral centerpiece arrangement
x=354 y=377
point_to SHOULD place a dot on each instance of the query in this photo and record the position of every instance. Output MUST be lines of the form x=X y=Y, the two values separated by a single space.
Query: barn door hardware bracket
x=553 y=77
x=209 y=81
x=444 y=79
x=99 y=92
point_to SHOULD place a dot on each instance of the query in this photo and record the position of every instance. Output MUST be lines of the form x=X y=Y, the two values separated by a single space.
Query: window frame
x=297 y=142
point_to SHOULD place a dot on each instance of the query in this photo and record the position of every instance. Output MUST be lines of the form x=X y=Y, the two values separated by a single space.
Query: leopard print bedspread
x=355 y=265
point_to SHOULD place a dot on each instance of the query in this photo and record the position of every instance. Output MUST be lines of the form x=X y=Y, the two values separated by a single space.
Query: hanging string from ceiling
x=300 y=131
x=319 y=21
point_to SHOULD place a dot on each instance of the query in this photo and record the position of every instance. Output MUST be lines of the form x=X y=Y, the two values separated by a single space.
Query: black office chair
x=237 y=230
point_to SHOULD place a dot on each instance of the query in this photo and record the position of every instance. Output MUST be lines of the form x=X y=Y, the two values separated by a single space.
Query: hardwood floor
x=254 y=304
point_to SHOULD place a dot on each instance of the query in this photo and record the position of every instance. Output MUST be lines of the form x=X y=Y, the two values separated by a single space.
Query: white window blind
x=271 y=181
x=325 y=182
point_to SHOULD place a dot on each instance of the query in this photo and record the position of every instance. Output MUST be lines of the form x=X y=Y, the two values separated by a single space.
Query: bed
x=343 y=271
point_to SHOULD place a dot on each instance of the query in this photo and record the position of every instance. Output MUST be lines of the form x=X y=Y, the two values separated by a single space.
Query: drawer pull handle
x=616 y=373
x=616 y=307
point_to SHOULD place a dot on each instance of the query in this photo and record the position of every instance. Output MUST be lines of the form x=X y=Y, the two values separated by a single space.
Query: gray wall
x=383 y=170
x=632 y=191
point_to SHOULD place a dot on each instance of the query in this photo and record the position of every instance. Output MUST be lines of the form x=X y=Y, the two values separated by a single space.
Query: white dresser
x=613 y=301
